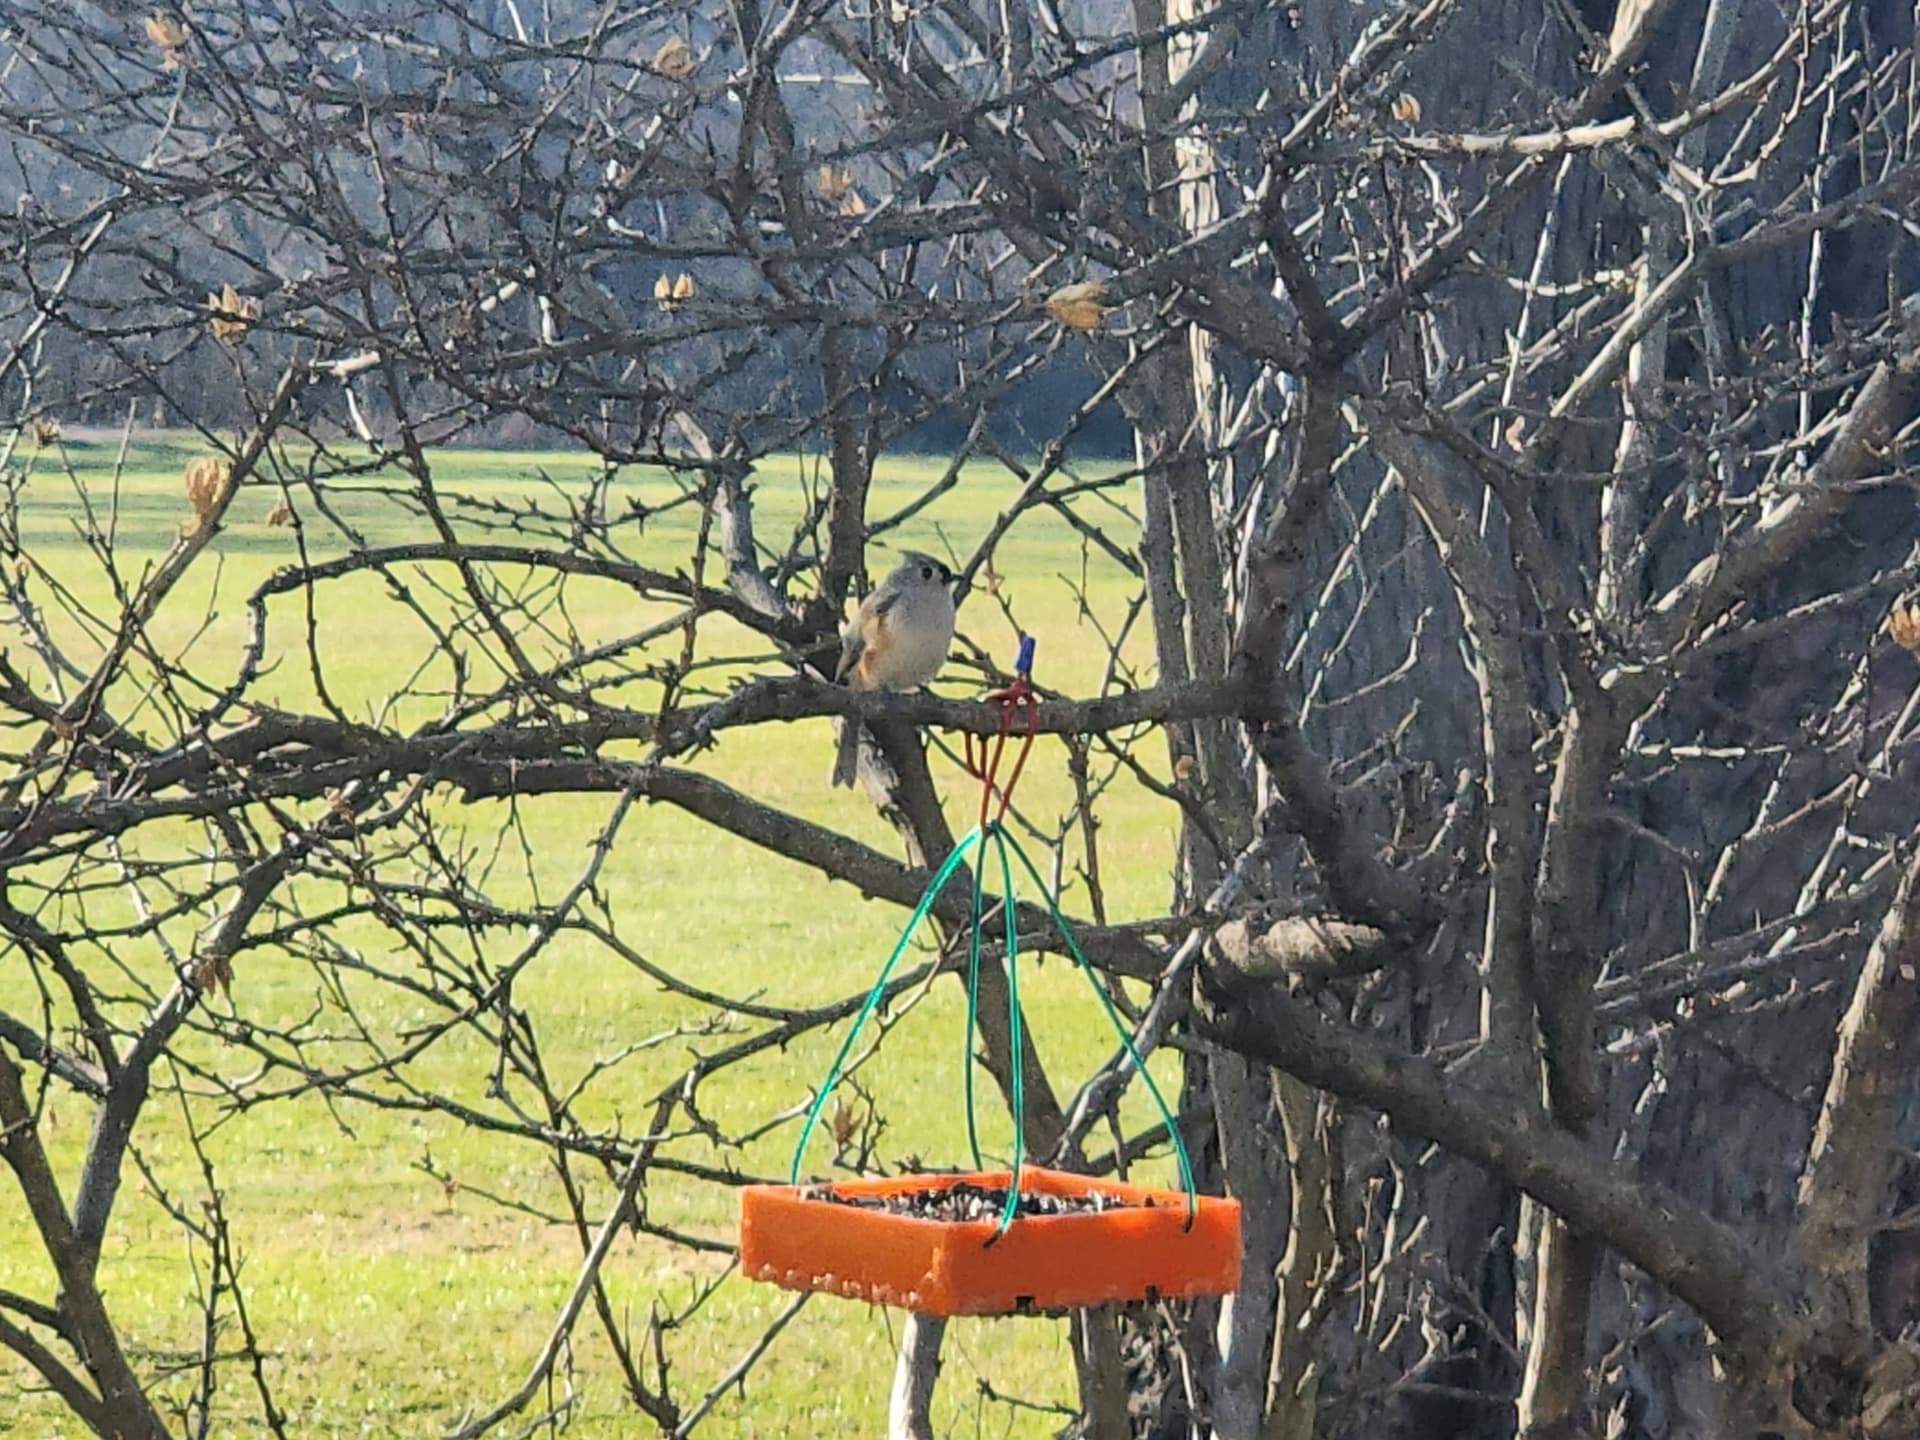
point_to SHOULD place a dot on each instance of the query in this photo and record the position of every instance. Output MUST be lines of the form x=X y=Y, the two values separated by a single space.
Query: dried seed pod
x=1079 y=307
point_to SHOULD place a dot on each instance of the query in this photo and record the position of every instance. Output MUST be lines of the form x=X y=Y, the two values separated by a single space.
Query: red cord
x=983 y=754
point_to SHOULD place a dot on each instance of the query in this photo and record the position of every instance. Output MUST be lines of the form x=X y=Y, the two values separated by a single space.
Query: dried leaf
x=166 y=32
x=1079 y=307
x=170 y=36
x=1904 y=625
x=339 y=803
x=213 y=972
x=208 y=483
x=834 y=181
x=674 y=59
x=233 y=314
x=64 y=728
x=281 y=514
x=45 y=430
x=674 y=293
x=843 y=1125
x=1515 y=432
x=837 y=188
x=1183 y=769
x=1406 y=109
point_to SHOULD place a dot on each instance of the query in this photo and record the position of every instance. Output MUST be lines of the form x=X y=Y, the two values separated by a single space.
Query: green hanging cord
x=973 y=1005
x=1016 y=1037
x=1113 y=1018
x=932 y=893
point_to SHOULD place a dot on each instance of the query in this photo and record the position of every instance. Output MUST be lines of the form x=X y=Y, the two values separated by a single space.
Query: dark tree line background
x=1517 y=401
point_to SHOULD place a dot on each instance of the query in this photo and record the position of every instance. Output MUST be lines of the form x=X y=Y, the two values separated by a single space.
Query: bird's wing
x=851 y=646
x=865 y=630
x=867 y=639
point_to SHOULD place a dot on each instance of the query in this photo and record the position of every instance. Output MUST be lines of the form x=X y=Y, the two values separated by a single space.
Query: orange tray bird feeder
x=991 y=1242
x=1130 y=1243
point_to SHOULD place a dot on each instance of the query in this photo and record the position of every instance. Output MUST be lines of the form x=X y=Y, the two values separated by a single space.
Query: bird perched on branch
x=896 y=640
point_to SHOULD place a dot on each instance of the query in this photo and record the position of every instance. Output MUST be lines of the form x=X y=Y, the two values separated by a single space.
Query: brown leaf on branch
x=213 y=972
x=45 y=430
x=674 y=293
x=233 y=314
x=844 y=1125
x=674 y=59
x=1903 y=624
x=837 y=188
x=281 y=514
x=834 y=181
x=170 y=36
x=1406 y=109
x=209 y=481
x=1079 y=307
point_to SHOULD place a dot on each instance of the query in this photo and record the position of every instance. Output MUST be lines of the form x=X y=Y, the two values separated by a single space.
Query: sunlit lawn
x=390 y=1303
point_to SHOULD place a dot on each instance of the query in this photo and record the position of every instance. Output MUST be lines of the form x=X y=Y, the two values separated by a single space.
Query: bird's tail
x=846 y=760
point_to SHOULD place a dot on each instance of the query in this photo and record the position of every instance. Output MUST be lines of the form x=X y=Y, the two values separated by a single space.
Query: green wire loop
x=931 y=894
x=973 y=1010
x=1015 y=1032
x=1119 y=1028
x=976 y=839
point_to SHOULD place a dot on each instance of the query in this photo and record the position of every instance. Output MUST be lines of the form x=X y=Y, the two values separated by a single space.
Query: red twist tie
x=1016 y=704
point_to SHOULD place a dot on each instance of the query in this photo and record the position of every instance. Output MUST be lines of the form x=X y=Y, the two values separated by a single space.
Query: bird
x=896 y=640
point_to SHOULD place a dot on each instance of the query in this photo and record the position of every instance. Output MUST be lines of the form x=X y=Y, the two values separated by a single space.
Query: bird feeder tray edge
x=1139 y=1246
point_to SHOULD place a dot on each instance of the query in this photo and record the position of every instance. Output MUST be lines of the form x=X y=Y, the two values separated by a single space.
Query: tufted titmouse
x=896 y=640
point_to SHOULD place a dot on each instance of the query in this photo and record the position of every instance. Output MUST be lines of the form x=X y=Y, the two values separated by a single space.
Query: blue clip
x=1023 y=667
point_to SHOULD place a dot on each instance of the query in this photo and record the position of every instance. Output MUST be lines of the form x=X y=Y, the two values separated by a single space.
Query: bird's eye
x=926 y=572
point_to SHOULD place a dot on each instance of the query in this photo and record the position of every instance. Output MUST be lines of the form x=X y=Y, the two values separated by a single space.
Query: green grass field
x=388 y=1303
